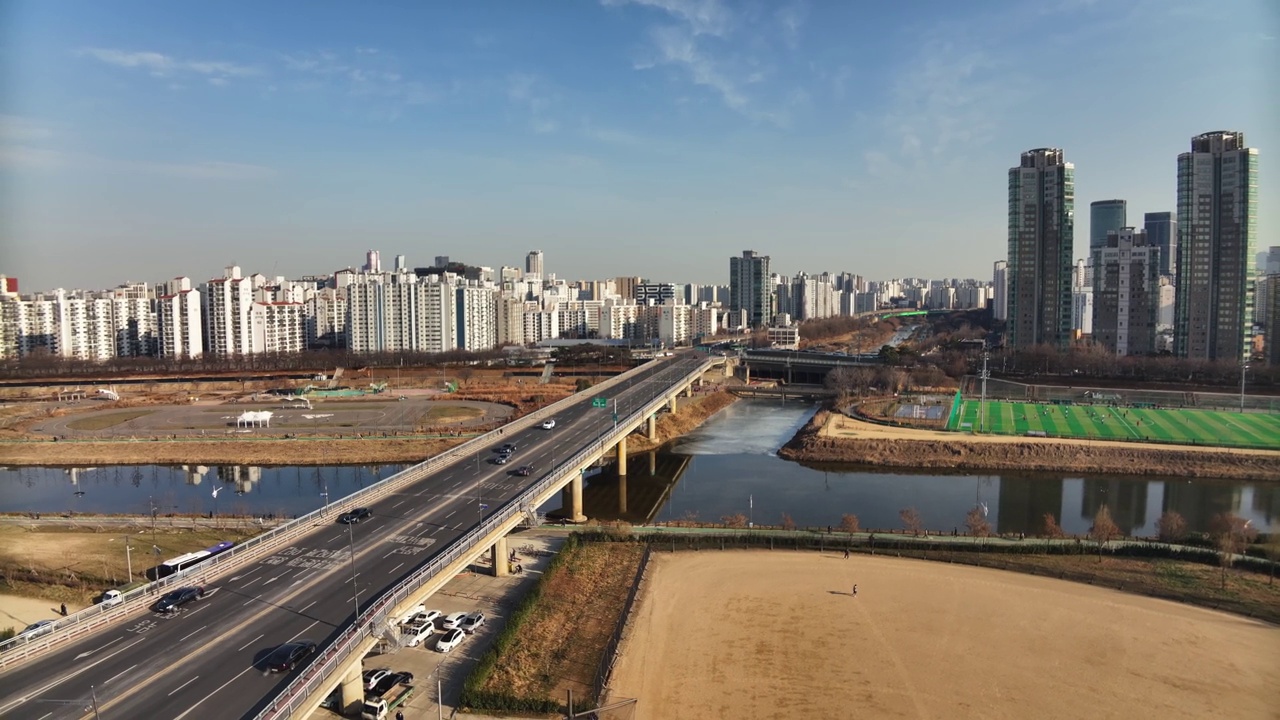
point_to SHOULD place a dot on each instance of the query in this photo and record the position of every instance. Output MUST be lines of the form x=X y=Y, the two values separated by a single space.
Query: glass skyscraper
x=1162 y=233
x=1042 y=200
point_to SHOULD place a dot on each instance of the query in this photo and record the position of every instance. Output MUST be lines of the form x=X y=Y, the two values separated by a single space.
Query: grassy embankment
x=690 y=413
x=555 y=639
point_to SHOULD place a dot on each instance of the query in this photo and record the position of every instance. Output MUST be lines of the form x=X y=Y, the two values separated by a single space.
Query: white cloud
x=161 y=65
x=790 y=18
x=217 y=81
x=677 y=46
x=14 y=128
x=704 y=17
x=529 y=91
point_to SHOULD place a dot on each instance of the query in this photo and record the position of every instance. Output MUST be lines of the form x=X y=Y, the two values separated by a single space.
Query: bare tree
x=1051 y=527
x=1171 y=527
x=1231 y=535
x=735 y=521
x=1104 y=529
x=787 y=522
x=849 y=523
x=911 y=519
x=977 y=523
x=1272 y=549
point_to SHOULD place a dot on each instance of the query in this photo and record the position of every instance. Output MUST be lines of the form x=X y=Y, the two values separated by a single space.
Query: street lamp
x=1243 y=369
x=355 y=589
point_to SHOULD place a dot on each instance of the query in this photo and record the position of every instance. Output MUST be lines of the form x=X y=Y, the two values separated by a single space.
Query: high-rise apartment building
x=477 y=316
x=1041 y=234
x=1162 y=232
x=749 y=287
x=228 y=300
x=179 y=320
x=533 y=264
x=1272 y=300
x=1000 y=286
x=1217 y=235
x=373 y=261
x=1126 y=293
x=1105 y=216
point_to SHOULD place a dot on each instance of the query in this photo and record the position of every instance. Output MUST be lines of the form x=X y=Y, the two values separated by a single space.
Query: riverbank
x=267 y=451
x=695 y=648
x=690 y=413
x=831 y=437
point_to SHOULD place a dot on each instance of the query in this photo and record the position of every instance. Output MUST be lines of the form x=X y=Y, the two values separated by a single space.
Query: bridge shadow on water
x=639 y=496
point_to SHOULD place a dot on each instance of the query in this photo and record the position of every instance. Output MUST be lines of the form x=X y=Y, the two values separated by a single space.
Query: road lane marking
x=193 y=632
x=295 y=637
x=246 y=602
x=250 y=583
x=398 y=504
x=183 y=685
x=335 y=538
x=113 y=677
x=242 y=647
x=193 y=612
x=396 y=568
x=304 y=607
x=65 y=678
x=451 y=514
x=215 y=692
x=87 y=653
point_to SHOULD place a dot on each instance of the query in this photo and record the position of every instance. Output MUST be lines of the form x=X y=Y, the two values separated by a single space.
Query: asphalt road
x=205 y=661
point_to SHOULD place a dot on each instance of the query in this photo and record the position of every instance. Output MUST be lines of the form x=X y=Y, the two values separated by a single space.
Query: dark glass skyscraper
x=1162 y=232
x=1105 y=216
x=1042 y=200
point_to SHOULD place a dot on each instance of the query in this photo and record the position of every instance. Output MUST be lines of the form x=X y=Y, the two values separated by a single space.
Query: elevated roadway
x=205 y=661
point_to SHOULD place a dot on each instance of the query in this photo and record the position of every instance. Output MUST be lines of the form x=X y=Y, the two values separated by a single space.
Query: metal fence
x=334 y=658
x=23 y=647
x=610 y=656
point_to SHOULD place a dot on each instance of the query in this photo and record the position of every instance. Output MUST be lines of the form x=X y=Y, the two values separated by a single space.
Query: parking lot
x=476 y=589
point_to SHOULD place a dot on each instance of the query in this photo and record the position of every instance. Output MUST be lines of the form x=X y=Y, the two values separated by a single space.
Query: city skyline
x=148 y=140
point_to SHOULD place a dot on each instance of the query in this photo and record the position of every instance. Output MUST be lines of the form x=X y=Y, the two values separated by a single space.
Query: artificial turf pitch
x=1103 y=422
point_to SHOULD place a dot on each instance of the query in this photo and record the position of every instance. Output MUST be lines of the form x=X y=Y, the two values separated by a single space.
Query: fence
x=318 y=675
x=610 y=656
x=24 y=647
x=998 y=389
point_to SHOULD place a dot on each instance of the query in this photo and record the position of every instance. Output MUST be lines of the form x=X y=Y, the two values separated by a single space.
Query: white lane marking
x=302 y=572
x=398 y=504
x=65 y=678
x=335 y=538
x=451 y=514
x=183 y=685
x=206 y=697
x=193 y=632
x=276 y=578
x=396 y=567
x=242 y=647
x=393 y=552
x=87 y=653
x=113 y=677
x=295 y=637
x=251 y=582
x=42 y=717
x=193 y=612
x=246 y=602
x=304 y=607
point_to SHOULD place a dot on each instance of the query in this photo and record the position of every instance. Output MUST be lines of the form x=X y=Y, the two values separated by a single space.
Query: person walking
x=855 y=589
x=846 y=553
x=64 y=609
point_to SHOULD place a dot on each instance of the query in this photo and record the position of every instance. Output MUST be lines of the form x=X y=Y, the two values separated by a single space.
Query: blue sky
x=146 y=140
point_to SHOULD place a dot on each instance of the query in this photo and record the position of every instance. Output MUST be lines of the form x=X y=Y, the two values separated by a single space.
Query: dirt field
x=776 y=634
x=18 y=612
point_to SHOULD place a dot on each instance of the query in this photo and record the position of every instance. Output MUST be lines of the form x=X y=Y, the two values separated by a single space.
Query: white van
x=417 y=630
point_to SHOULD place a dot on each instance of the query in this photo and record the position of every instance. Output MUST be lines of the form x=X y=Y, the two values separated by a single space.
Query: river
x=726 y=467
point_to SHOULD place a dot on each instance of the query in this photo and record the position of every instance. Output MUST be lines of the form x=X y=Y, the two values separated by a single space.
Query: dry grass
x=319 y=451
x=560 y=644
x=75 y=564
x=450 y=414
x=689 y=414
x=102 y=422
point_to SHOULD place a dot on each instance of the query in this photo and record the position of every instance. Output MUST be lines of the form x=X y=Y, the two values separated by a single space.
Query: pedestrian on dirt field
x=855 y=589
x=64 y=609
x=846 y=553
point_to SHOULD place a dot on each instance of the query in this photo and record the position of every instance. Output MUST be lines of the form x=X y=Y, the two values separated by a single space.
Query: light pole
x=128 y=558
x=355 y=589
x=1243 y=369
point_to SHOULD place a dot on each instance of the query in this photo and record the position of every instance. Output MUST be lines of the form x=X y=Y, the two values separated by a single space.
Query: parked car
x=471 y=622
x=355 y=516
x=286 y=657
x=426 y=615
x=111 y=597
x=375 y=676
x=37 y=628
x=411 y=613
x=171 y=601
x=548 y=424
x=416 y=630
x=524 y=470
x=450 y=640
x=452 y=621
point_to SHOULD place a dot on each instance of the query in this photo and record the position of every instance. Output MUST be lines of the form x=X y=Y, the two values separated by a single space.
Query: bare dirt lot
x=762 y=634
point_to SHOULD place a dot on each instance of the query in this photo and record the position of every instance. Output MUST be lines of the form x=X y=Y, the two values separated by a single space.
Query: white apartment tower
x=179 y=321
x=477 y=318
x=533 y=264
x=228 y=302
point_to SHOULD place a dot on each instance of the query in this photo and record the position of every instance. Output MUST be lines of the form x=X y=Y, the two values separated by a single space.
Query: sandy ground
x=18 y=612
x=778 y=634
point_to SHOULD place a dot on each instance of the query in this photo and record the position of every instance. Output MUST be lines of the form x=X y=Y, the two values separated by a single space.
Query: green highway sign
x=599 y=402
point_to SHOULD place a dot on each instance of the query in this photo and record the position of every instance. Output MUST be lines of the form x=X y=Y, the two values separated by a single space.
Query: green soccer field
x=1101 y=422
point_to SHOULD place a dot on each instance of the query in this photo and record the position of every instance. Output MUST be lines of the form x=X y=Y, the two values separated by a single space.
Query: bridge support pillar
x=671 y=404
x=653 y=427
x=622 y=494
x=622 y=455
x=576 y=492
x=500 y=563
x=566 y=501
x=653 y=463
x=353 y=689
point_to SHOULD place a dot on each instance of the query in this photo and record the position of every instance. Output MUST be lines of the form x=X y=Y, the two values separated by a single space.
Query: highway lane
x=200 y=662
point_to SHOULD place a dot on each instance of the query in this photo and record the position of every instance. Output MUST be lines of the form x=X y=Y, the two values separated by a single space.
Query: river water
x=727 y=466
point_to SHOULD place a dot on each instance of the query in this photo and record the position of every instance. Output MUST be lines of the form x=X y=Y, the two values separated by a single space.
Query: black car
x=171 y=601
x=355 y=516
x=524 y=470
x=286 y=657
x=389 y=682
x=508 y=448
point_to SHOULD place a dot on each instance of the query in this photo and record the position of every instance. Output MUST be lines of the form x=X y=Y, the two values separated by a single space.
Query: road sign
x=599 y=402
x=615 y=417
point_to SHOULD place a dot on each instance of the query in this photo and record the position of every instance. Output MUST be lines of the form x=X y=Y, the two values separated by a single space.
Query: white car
x=412 y=612
x=450 y=640
x=472 y=622
x=453 y=621
x=425 y=616
x=548 y=424
x=415 y=631
x=373 y=677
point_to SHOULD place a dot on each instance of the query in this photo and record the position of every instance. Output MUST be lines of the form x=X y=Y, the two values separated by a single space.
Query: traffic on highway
x=223 y=649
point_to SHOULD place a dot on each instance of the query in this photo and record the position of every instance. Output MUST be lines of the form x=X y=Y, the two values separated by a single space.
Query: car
x=452 y=621
x=508 y=448
x=426 y=616
x=111 y=597
x=472 y=622
x=412 y=613
x=37 y=628
x=389 y=681
x=524 y=470
x=174 y=599
x=375 y=676
x=450 y=640
x=548 y=424
x=502 y=460
x=355 y=516
x=415 y=631
x=286 y=657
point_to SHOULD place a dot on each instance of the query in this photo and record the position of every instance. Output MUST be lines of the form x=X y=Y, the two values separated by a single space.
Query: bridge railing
x=336 y=657
x=22 y=647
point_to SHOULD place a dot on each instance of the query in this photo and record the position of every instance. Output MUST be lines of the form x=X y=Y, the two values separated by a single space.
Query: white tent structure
x=254 y=418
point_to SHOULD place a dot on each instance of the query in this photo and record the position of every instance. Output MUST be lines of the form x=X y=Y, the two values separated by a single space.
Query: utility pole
x=982 y=406
x=355 y=589
x=128 y=558
x=1243 y=369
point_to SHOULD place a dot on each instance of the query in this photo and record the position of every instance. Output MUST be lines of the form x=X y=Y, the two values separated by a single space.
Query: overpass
x=799 y=367
x=342 y=586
